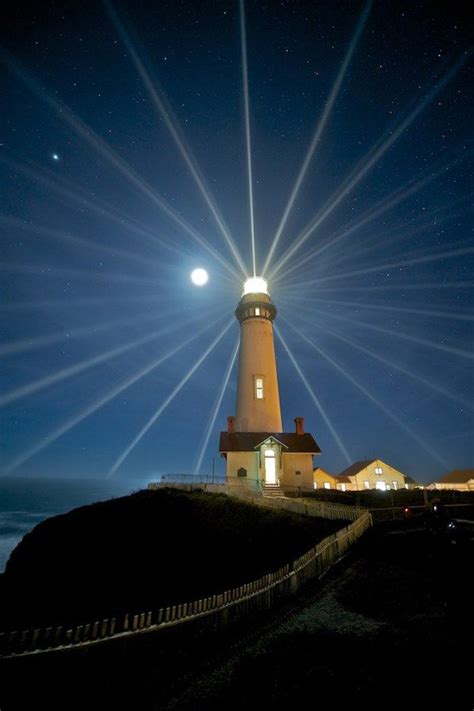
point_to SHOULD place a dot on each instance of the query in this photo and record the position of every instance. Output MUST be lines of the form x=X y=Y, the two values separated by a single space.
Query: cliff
x=144 y=551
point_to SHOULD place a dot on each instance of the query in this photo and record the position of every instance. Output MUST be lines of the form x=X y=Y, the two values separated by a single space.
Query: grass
x=145 y=551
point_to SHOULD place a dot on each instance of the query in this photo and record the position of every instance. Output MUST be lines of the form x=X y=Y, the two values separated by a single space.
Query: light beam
x=51 y=437
x=243 y=45
x=165 y=111
x=396 y=366
x=216 y=407
x=165 y=404
x=76 y=194
x=103 y=149
x=319 y=130
x=399 y=334
x=314 y=398
x=365 y=164
x=35 y=342
x=387 y=203
x=81 y=366
x=389 y=265
x=409 y=431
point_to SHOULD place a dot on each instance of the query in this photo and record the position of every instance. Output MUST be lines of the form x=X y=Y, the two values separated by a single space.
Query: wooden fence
x=306 y=506
x=215 y=611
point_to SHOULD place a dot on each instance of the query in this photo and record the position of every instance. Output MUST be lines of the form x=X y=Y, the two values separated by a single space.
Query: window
x=378 y=470
x=327 y=485
x=380 y=485
x=367 y=484
x=341 y=487
x=257 y=311
x=315 y=484
x=395 y=485
x=259 y=388
x=297 y=473
x=241 y=472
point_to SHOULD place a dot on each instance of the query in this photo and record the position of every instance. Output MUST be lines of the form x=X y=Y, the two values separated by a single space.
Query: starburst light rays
x=391 y=364
x=245 y=87
x=313 y=397
x=104 y=150
x=215 y=409
x=167 y=401
x=389 y=413
x=101 y=401
x=434 y=345
x=103 y=357
x=319 y=131
x=165 y=111
x=366 y=164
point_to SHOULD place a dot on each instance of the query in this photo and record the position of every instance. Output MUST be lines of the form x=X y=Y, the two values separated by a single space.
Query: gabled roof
x=457 y=476
x=323 y=472
x=340 y=479
x=249 y=441
x=356 y=468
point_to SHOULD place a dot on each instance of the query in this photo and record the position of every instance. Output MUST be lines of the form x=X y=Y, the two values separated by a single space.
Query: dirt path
x=317 y=610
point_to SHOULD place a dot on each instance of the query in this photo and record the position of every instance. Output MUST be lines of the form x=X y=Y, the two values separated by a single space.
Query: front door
x=270 y=467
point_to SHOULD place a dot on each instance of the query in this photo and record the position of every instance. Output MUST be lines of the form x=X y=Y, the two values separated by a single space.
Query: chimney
x=231 y=423
x=299 y=422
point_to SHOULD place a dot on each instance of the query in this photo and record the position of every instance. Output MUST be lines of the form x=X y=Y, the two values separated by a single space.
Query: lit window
x=378 y=470
x=380 y=485
x=367 y=484
x=327 y=485
x=259 y=388
x=395 y=485
x=257 y=311
x=315 y=484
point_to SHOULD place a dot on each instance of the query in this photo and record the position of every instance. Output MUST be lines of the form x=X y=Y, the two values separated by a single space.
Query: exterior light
x=255 y=285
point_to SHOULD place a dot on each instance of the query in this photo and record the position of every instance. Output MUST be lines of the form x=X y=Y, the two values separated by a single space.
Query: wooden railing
x=214 y=611
x=301 y=505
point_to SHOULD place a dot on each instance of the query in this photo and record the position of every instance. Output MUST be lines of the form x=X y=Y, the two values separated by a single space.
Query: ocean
x=26 y=502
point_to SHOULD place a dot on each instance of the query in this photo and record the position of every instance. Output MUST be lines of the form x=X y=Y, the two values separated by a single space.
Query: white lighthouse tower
x=260 y=456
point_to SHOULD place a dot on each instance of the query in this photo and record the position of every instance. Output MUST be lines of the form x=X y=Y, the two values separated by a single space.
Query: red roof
x=249 y=441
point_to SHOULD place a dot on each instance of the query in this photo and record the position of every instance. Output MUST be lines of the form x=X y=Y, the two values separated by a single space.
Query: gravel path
x=316 y=611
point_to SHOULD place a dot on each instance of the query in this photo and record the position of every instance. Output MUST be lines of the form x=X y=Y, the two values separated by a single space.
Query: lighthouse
x=258 y=398
x=259 y=455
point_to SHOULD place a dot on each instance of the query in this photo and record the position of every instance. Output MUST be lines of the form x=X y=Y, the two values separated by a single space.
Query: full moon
x=199 y=277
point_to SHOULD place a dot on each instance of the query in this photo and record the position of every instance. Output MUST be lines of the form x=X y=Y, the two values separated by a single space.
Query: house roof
x=363 y=464
x=249 y=441
x=457 y=476
x=356 y=468
x=342 y=479
x=322 y=472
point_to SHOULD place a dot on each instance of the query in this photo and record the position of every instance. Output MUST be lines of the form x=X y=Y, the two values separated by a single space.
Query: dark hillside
x=144 y=551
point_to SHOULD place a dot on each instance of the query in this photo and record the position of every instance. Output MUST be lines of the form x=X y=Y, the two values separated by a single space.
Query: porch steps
x=274 y=490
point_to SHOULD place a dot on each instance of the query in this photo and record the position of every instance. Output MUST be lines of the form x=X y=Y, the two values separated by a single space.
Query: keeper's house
x=458 y=479
x=372 y=474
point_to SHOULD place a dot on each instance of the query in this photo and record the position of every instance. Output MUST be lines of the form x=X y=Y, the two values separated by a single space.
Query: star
x=55 y=156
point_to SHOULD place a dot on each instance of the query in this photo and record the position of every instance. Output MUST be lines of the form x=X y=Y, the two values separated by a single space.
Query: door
x=270 y=467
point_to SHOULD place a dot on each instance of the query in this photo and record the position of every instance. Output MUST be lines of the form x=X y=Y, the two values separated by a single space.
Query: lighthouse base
x=258 y=461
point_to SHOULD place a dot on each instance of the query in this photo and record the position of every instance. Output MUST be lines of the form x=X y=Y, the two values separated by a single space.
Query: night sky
x=102 y=221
